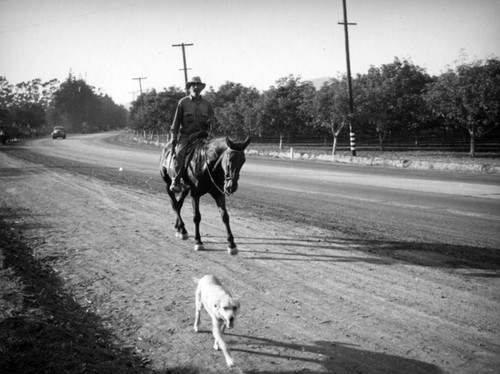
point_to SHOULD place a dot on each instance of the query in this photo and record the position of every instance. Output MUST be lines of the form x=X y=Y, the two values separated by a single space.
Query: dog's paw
x=216 y=346
x=229 y=362
x=195 y=328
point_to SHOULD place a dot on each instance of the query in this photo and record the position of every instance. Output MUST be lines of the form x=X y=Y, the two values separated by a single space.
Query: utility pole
x=349 y=79
x=140 y=88
x=184 y=59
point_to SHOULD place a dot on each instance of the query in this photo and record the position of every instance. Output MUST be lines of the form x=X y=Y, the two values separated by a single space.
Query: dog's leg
x=220 y=343
x=220 y=328
x=199 y=306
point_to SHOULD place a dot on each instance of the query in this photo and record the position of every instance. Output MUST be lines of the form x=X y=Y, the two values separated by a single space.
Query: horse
x=213 y=167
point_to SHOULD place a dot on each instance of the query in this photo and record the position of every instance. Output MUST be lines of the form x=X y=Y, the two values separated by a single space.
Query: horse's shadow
x=213 y=244
x=319 y=248
x=313 y=249
x=334 y=357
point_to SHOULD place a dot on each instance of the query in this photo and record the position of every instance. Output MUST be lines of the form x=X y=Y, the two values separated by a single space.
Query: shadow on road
x=334 y=357
x=378 y=252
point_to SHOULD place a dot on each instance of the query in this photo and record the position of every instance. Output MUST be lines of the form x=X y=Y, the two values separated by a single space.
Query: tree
x=389 y=98
x=77 y=107
x=227 y=93
x=468 y=98
x=154 y=111
x=6 y=93
x=329 y=109
x=110 y=116
x=235 y=109
x=73 y=104
x=30 y=117
x=23 y=106
x=283 y=109
x=35 y=92
x=374 y=103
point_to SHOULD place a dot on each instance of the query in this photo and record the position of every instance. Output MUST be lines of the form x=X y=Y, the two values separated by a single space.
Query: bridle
x=228 y=174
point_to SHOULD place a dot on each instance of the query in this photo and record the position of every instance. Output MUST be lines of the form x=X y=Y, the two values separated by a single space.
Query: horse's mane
x=214 y=148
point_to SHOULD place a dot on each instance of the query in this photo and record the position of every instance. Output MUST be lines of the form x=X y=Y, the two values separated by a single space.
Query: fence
x=324 y=144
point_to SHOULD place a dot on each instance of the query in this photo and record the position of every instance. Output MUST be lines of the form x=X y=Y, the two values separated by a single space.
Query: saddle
x=196 y=141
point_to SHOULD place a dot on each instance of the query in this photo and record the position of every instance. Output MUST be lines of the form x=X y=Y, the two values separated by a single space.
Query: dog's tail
x=195 y=280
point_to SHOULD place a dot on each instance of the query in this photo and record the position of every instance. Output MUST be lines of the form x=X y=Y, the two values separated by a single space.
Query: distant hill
x=318 y=82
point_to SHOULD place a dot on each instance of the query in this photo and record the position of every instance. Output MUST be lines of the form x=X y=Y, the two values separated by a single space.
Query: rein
x=219 y=161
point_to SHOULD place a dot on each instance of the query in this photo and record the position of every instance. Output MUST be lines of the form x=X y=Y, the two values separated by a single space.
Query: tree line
x=33 y=108
x=399 y=100
x=392 y=102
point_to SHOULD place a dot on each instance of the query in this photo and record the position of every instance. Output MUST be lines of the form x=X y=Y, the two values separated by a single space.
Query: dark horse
x=214 y=168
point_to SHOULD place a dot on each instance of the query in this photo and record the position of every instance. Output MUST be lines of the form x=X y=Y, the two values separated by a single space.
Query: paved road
x=377 y=203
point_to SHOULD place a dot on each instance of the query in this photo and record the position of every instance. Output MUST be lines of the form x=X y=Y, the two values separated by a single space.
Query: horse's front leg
x=177 y=204
x=195 y=201
x=232 y=249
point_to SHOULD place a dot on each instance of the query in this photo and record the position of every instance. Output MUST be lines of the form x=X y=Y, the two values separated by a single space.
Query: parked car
x=58 y=132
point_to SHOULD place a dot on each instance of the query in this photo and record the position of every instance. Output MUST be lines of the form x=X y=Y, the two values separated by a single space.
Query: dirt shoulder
x=94 y=280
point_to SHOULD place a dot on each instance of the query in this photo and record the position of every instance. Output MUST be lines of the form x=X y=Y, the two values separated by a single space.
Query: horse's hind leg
x=232 y=249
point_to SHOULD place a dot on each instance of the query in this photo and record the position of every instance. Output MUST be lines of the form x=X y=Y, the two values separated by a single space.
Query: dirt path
x=313 y=301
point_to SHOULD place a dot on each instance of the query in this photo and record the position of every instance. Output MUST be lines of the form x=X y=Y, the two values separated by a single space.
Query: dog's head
x=227 y=310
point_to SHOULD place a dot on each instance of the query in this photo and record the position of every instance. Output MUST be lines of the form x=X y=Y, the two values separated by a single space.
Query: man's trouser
x=180 y=153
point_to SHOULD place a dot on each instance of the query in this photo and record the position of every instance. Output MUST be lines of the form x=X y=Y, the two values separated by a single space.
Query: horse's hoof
x=199 y=247
x=181 y=235
x=232 y=251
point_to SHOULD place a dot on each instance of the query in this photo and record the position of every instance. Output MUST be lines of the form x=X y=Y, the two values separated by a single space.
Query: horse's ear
x=229 y=142
x=238 y=146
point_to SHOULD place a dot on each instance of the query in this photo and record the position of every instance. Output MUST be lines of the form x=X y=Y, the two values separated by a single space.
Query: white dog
x=221 y=307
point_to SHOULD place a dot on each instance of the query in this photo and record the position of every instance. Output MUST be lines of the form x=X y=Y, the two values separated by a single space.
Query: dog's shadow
x=334 y=357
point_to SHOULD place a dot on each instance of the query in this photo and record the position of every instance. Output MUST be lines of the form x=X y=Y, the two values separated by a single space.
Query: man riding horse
x=193 y=119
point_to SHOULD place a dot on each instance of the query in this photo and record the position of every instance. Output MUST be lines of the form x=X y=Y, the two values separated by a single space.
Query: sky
x=252 y=42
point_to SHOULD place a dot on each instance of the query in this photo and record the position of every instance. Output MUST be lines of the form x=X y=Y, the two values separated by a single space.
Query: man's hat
x=195 y=80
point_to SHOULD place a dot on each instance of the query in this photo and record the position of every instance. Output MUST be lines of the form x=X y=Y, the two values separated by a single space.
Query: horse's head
x=232 y=161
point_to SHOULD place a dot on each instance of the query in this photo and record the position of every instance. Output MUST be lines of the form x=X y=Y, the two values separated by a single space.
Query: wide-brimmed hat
x=195 y=80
